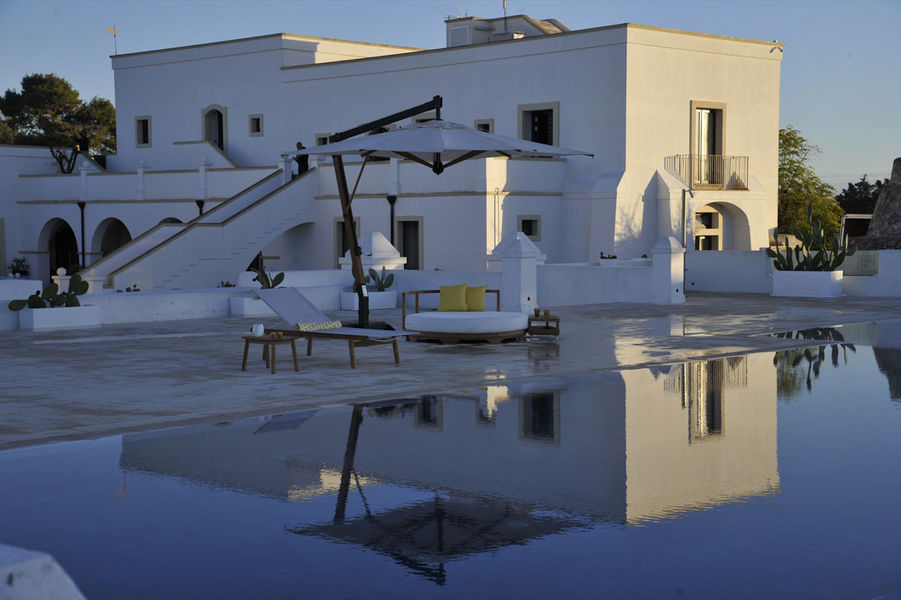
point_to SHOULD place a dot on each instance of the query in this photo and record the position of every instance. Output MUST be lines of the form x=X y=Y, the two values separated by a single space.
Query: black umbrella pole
x=350 y=451
x=363 y=315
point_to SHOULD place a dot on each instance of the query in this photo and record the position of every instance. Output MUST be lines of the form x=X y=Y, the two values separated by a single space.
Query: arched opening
x=110 y=235
x=214 y=126
x=62 y=249
x=721 y=226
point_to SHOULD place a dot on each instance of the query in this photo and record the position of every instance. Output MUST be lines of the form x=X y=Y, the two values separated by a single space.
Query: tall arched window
x=215 y=125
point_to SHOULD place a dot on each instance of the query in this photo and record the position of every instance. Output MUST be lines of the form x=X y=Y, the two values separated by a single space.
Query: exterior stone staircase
x=216 y=246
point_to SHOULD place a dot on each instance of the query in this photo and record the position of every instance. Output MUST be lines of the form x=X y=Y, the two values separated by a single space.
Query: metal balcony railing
x=710 y=171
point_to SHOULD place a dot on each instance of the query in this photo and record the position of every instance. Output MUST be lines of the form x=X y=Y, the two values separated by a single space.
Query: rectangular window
x=539 y=417
x=428 y=412
x=529 y=225
x=342 y=244
x=322 y=139
x=409 y=241
x=142 y=132
x=708 y=229
x=486 y=125
x=540 y=122
x=256 y=125
x=708 y=142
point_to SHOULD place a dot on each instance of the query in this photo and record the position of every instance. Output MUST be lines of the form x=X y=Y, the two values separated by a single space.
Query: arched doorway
x=62 y=248
x=214 y=126
x=721 y=226
x=110 y=235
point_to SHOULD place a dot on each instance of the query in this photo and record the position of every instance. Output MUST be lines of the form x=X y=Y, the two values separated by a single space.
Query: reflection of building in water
x=710 y=439
x=702 y=388
x=620 y=447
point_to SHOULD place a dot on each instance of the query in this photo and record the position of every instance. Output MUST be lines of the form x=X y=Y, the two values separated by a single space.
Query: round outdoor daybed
x=453 y=327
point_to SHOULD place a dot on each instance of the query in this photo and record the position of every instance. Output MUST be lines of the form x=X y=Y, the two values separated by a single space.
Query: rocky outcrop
x=885 y=227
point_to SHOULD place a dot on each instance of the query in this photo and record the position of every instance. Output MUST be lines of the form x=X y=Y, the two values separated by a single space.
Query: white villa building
x=683 y=128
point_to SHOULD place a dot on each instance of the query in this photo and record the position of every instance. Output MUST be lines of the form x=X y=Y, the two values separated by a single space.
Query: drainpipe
x=81 y=205
x=139 y=192
x=685 y=215
x=202 y=179
x=82 y=202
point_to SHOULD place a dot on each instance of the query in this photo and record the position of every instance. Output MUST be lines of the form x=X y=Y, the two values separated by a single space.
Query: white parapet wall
x=886 y=282
x=728 y=271
x=598 y=283
x=645 y=281
x=871 y=273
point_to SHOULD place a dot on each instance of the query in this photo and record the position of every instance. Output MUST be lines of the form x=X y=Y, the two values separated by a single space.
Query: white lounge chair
x=294 y=308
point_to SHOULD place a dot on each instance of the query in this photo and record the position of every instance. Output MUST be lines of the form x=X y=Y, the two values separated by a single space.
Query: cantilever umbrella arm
x=350 y=232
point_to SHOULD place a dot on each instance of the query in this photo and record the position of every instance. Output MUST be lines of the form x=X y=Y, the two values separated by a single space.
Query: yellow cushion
x=475 y=298
x=317 y=325
x=453 y=297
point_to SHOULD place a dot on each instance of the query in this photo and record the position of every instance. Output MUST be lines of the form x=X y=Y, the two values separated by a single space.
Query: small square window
x=256 y=125
x=530 y=225
x=322 y=139
x=486 y=125
x=142 y=132
x=540 y=122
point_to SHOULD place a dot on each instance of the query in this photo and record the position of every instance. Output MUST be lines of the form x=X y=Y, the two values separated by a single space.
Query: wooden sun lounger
x=293 y=307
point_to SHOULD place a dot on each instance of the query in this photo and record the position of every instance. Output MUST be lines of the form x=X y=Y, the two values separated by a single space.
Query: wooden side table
x=269 y=342
x=544 y=325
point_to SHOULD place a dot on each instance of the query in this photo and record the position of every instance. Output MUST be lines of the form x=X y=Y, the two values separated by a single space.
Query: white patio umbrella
x=436 y=144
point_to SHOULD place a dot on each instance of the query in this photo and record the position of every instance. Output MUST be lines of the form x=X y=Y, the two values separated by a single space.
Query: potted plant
x=18 y=267
x=380 y=297
x=811 y=268
x=66 y=311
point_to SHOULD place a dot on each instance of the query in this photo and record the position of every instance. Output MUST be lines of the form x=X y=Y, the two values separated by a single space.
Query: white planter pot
x=240 y=306
x=809 y=284
x=70 y=317
x=377 y=300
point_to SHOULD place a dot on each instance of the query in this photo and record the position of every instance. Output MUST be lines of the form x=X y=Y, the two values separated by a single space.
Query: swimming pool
x=763 y=475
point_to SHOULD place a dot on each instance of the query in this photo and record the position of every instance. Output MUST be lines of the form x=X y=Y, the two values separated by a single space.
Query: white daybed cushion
x=467 y=322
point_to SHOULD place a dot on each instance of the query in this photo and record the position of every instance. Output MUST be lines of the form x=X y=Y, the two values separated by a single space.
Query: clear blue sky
x=840 y=75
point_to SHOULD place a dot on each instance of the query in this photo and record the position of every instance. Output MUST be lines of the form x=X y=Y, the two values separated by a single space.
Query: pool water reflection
x=689 y=480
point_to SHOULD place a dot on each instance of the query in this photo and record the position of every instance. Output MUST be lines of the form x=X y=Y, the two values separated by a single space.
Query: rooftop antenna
x=505 y=15
x=112 y=30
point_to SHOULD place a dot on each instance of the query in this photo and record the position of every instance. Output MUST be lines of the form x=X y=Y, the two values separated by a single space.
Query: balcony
x=710 y=171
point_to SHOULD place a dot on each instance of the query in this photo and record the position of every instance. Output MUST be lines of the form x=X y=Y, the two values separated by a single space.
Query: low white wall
x=728 y=271
x=139 y=307
x=887 y=282
x=583 y=283
x=15 y=289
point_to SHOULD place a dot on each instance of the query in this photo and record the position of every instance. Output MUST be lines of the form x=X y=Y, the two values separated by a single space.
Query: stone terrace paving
x=85 y=384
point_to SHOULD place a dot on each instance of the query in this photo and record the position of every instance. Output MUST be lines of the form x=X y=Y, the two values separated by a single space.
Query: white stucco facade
x=198 y=125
